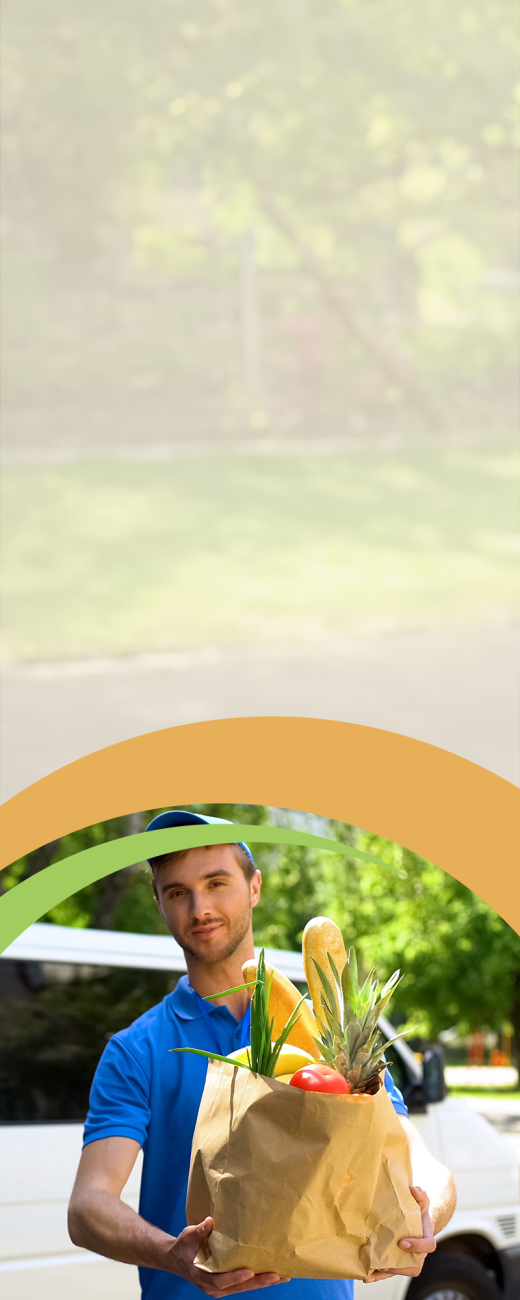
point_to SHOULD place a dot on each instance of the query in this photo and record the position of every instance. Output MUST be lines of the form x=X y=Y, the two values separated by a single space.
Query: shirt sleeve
x=396 y=1097
x=119 y=1097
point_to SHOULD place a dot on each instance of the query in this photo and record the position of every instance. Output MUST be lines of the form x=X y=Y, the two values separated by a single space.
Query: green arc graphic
x=26 y=902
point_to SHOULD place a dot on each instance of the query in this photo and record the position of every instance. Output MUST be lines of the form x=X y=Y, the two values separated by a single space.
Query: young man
x=143 y=1096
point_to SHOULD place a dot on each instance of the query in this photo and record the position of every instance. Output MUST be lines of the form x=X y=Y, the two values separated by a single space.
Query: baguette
x=321 y=937
x=283 y=999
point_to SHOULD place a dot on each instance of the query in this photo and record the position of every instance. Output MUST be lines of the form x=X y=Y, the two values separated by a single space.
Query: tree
x=461 y=961
x=368 y=146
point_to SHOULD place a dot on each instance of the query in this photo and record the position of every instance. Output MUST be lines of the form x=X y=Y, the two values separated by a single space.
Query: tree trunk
x=515 y=1021
x=250 y=319
x=385 y=358
x=40 y=859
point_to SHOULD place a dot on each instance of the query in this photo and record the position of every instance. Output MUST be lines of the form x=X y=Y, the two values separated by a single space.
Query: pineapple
x=348 y=1015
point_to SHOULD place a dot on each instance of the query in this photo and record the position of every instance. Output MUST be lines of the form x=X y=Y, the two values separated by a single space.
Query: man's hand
x=100 y=1221
x=183 y=1251
x=422 y=1246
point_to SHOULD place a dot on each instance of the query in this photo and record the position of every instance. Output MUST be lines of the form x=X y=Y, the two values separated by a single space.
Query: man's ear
x=158 y=903
x=256 y=885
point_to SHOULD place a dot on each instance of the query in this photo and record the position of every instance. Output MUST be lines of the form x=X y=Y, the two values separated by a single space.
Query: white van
x=478 y=1256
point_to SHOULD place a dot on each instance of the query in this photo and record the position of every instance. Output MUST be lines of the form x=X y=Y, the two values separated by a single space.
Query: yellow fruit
x=283 y=999
x=241 y=1054
x=292 y=1059
x=289 y=1061
x=320 y=937
x=283 y=1078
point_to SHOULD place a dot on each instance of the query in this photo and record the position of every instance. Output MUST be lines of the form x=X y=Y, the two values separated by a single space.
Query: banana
x=289 y=1061
x=320 y=937
x=283 y=999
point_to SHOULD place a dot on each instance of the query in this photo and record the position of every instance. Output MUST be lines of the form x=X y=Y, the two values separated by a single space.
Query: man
x=143 y=1095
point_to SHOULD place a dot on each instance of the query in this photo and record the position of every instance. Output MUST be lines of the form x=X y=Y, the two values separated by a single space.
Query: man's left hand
x=422 y=1246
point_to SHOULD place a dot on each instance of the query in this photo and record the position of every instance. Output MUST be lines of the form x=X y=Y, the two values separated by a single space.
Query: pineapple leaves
x=347 y=988
x=401 y=1035
x=326 y=1052
x=331 y=998
x=353 y=967
x=391 y=984
x=370 y=980
x=354 y=1046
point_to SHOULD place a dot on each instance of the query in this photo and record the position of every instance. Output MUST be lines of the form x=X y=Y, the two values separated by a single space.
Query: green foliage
x=51 y=1046
x=460 y=960
x=374 y=138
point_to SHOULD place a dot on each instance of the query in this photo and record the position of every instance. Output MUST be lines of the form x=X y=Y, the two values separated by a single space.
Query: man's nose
x=200 y=905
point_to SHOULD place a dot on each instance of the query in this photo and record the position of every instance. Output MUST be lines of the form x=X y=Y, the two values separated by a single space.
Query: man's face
x=206 y=901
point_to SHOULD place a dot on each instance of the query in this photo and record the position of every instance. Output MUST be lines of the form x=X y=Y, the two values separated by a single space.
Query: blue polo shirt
x=142 y=1091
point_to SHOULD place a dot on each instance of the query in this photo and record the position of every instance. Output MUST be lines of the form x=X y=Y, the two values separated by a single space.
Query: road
x=455 y=689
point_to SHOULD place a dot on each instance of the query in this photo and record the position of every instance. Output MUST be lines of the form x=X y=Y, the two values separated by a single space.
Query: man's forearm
x=440 y=1186
x=433 y=1177
x=101 y=1222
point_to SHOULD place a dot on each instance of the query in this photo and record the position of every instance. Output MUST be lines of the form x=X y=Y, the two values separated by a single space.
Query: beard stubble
x=236 y=933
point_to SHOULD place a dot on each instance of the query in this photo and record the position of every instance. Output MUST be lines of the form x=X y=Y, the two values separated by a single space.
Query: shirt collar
x=184 y=1002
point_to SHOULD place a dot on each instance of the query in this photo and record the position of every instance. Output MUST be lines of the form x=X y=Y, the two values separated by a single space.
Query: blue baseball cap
x=179 y=817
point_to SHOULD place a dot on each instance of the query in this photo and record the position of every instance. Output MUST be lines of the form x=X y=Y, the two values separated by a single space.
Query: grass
x=511 y=1094
x=104 y=558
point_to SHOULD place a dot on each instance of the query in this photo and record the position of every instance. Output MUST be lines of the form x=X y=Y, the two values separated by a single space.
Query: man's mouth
x=206 y=931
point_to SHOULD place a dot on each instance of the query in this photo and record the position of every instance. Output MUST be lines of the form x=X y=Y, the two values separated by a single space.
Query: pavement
x=454 y=688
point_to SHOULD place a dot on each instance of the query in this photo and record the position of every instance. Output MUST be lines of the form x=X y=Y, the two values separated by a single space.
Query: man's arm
x=435 y=1192
x=432 y=1176
x=100 y=1221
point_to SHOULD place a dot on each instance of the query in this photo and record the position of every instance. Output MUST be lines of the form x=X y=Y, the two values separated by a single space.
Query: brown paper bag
x=299 y=1183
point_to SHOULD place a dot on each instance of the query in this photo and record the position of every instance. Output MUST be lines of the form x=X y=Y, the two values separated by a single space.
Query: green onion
x=263 y=1053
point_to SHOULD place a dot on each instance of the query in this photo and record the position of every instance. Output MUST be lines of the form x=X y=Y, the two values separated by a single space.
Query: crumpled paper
x=298 y=1183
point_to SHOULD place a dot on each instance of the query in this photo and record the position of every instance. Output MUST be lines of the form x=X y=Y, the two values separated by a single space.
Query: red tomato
x=319 y=1078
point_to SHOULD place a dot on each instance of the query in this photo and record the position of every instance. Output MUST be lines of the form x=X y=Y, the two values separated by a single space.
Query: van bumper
x=510 y=1261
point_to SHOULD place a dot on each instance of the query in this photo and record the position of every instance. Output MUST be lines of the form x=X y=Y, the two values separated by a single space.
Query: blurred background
x=461 y=961
x=103 y=957
x=260 y=292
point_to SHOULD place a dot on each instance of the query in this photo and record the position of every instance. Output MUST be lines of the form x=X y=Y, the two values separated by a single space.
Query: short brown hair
x=243 y=859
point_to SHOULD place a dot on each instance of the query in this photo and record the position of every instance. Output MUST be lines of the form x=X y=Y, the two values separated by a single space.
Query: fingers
x=202 y=1230
x=422 y=1198
x=426 y=1244
x=419 y=1245
x=256 y=1282
x=222 y=1281
x=380 y=1275
x=423 y=1202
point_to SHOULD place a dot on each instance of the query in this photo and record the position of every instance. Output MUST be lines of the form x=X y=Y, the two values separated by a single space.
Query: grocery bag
x=299 y=1183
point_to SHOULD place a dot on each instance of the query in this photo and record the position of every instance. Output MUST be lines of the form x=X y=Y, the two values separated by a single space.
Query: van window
x=55 y=1021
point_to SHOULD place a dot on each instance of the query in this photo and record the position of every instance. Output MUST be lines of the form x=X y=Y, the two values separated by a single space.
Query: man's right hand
x=183 y=1251
x=100 y=1221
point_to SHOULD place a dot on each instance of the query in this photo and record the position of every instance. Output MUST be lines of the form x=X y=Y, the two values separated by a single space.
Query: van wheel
x=453 y=1277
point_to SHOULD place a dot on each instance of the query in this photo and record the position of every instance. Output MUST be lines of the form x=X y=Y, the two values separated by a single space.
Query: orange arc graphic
x=460 y=816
